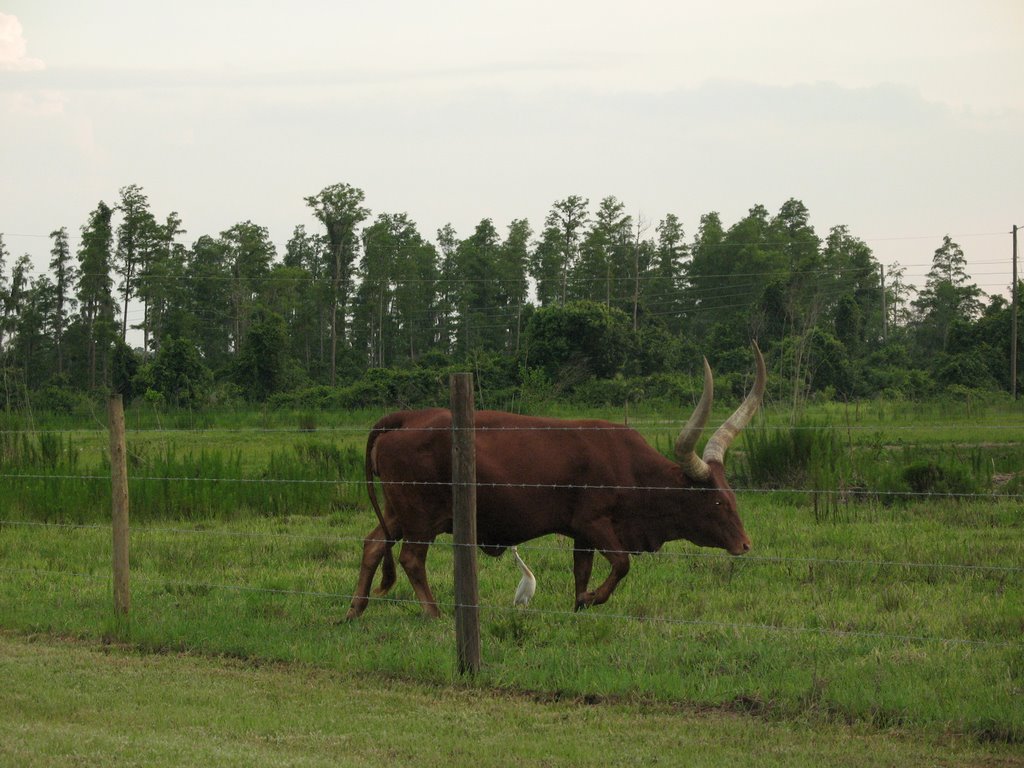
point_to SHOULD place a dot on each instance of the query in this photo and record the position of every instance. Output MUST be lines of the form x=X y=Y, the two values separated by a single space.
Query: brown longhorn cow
x=596 y=482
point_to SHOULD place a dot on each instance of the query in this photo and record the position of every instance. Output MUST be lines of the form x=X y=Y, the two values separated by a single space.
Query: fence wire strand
x=667 y=424
x=151 y=530
x=842 y=492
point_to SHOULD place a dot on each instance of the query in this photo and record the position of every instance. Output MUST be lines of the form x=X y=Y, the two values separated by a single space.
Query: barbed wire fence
x=121 y=605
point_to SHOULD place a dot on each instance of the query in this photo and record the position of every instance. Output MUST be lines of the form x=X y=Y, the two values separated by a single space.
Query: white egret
x=527 y=584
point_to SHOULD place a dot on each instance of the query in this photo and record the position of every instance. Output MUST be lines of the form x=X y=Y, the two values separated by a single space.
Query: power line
x=822 y=240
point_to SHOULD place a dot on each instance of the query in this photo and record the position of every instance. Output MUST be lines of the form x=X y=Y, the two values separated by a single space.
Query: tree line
x=595 y=294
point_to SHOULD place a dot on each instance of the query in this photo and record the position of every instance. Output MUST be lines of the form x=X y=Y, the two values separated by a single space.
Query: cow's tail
x=388 y=573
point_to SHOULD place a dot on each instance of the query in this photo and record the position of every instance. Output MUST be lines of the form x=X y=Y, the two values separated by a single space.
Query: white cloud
x=13 y=48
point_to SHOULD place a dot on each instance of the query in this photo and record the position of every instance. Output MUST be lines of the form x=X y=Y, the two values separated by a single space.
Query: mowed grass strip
x=77 y=704
x=911 y=620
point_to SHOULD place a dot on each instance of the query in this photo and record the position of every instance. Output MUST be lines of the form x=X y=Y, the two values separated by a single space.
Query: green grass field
x=894 y=628
x=81 y=704
x=912 y=620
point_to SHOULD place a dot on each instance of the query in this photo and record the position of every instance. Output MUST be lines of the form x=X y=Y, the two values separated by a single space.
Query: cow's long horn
x=723 y=437
x=693 y=465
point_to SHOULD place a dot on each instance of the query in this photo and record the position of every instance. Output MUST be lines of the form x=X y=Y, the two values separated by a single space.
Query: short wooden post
x=467 y=594
x=119 y=494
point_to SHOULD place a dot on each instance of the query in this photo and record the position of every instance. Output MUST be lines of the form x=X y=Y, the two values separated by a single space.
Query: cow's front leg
x=620 y=567
x=603 y=538
x=582 y=564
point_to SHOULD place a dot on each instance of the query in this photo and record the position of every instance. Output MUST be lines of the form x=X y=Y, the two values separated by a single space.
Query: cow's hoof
x=584 y=602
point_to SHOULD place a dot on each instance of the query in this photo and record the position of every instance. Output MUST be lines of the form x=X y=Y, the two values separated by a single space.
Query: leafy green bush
x=394 y=388
x=606 y=392
x=314 y=398
x=582 y=335
x=177 y=373
x=676 y=390
x=968 y=369
x=378 y=388
x=59 y=400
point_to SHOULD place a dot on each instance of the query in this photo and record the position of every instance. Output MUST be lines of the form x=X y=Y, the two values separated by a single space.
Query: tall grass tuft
x=45 y=483
x=823 y=464
x=37 y=451
x=810 y=459
x=807 y=454
x=303 y=479
x=313 y=478
x=40 y=482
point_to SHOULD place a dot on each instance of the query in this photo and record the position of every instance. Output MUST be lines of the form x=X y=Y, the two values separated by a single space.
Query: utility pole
x=885 y=311
x=1013 y=322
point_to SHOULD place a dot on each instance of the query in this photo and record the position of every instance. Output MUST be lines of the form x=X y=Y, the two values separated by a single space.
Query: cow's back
x=535 y=475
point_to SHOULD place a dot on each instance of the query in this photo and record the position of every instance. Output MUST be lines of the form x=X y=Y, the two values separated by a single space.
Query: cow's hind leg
x=375 y=547
x=413 y=558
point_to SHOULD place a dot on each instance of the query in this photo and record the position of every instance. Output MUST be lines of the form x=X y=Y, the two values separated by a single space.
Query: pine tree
x=95 y=289
x=340 y=209
x=136 y=236
x=948 y=297
x=65 y=276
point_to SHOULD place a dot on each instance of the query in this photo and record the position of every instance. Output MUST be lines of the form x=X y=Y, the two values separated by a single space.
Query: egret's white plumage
x=527 y=584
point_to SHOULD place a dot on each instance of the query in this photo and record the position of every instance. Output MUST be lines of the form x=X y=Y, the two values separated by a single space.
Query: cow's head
x=714 y=519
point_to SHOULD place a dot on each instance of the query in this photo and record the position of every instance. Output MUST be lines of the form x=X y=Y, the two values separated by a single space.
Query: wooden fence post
x=467 y=594
x=119 y=495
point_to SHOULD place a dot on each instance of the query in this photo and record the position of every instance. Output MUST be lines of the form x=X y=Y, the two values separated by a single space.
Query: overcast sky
x=902 y=120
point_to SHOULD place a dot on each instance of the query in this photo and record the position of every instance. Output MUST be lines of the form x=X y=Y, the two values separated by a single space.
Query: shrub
x=606 y=392
x=929 y=477
x=395 y=388
x=314 y=398
x=178 y=373
x=967 y=369
x=676 y=390
x=584 y=335
x=58 y=400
